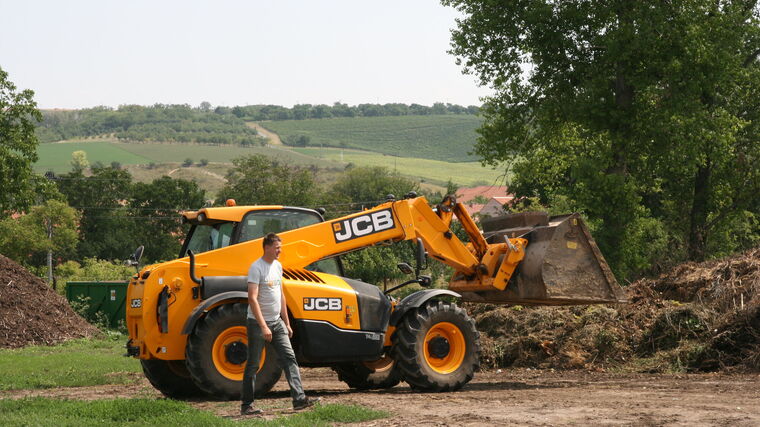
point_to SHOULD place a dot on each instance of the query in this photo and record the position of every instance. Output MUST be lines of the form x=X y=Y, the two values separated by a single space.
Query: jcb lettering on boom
x=322 y=304
x=363 y=225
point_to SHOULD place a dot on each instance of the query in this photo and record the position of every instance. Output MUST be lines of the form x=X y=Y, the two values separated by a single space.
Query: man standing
x=268 y=322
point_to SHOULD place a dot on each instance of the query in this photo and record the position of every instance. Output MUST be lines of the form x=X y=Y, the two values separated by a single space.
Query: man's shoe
x=250 y=410
x=306 y=403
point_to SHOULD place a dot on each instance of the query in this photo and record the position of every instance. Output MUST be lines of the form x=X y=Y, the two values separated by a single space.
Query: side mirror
x=405 y=268
x=134 y=259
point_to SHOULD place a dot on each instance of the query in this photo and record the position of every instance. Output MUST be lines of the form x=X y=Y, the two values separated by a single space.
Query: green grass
x=75 y=363
x=465 y=173
x=171 y=153
x=122 y=412
x=57 y=156
x=164 y=412
x=442 y=137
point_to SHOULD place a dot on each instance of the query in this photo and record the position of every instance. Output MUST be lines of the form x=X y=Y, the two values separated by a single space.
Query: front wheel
x=436 y=347
x=217 y=351
x=378 y=374
x=171 y=378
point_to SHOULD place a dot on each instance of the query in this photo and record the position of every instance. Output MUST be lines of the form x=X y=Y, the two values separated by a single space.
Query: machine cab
x=215 y=228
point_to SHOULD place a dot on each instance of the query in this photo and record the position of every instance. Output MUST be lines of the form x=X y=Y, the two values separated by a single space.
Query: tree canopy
x=641 y=114
x=18 y=146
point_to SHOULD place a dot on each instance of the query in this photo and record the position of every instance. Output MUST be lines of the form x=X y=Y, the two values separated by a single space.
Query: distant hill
x=447 y=137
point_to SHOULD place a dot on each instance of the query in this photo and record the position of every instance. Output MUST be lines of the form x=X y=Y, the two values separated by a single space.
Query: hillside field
x=434 y=171
x=447 y=137
x=57 y=157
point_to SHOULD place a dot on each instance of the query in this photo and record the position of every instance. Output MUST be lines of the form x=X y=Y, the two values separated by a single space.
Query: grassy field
x=57 y=156
x=75 y=363
x=82 y=363
x=444 y=137
x=169 y=157
x=164 y=412
x=434 y=171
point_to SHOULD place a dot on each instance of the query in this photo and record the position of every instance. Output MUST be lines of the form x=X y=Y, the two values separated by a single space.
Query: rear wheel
x=171 y=378
x=381 y=373
x=218 y=349
x=436 y=347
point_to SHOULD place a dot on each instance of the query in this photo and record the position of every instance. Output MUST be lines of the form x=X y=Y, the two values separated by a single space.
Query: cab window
x=205 y=238
x=257 y=224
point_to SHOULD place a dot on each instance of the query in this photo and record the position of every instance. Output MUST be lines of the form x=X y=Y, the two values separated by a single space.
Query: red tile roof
x=464 y=195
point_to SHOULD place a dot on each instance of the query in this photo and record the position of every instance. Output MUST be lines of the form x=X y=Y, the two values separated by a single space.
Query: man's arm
x=284 y=312
x=253 y=295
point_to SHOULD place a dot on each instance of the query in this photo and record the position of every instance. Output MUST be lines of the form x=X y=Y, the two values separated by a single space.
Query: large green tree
x=106 y=228
x=155 y=207
x=18 y=146
x=47 y=231
x=259 y=180
x=641 y=114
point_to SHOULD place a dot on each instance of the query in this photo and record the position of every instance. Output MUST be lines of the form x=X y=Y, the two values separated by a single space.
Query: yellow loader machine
x=186 y=317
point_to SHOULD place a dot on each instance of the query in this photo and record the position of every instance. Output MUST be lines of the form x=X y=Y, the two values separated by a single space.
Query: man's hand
x=266 y=333
x=290 y=330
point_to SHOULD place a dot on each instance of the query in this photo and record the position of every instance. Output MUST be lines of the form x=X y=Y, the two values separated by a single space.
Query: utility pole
x=49 y=224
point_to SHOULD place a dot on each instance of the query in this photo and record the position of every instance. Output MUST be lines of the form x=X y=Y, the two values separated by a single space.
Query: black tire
x=369 y=376
x=171 y=378
x=438 y=364
x=222 y=378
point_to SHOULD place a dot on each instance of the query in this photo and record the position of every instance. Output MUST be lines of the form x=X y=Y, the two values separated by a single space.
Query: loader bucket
x=562 y=264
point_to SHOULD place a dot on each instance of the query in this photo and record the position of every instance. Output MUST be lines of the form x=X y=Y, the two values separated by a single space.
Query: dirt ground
x=515 y=397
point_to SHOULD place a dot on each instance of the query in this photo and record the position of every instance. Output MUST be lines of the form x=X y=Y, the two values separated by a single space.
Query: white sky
x=78 y=53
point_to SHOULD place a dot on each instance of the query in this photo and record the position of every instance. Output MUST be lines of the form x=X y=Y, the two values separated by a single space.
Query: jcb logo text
x=362 y=225
x=322 y=304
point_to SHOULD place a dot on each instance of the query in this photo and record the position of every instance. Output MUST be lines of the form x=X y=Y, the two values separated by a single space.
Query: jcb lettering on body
x=322 y=304
x=362 y=225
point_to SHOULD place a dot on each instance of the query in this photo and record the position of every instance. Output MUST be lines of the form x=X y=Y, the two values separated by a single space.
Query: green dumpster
x=108 y=297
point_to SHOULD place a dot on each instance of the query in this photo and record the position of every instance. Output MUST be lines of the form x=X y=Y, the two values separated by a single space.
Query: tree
x=256 y=179
x=156 y=207
x=79 y=160
x=636 y=112
x=367 y=186
x=47 y=229
x=106 y=228
x=18 y=146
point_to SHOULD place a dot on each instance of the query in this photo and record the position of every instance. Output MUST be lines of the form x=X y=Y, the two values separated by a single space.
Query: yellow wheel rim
x=220 y=352
x=383 y=364
x=444 y=348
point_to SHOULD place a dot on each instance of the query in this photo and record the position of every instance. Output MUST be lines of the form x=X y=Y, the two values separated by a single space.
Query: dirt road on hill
x=511 y=397
x=273 y=138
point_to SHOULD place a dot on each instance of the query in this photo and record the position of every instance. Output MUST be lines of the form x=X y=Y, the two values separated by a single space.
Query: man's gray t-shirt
x=269 y=279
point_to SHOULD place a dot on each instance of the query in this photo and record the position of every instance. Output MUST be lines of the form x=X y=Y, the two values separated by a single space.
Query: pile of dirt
x=33 y=313
x=696 y=317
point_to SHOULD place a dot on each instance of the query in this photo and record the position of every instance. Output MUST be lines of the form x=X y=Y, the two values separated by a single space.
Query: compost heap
x=31 y=312
x=696 y=317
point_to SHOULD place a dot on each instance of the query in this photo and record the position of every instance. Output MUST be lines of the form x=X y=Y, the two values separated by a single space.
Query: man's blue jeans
x=285 y=356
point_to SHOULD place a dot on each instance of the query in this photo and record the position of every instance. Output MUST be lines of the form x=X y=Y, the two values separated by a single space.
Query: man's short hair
x=270 y=238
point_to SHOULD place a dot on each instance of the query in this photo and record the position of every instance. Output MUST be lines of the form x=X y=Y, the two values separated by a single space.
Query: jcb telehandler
x=186 y=317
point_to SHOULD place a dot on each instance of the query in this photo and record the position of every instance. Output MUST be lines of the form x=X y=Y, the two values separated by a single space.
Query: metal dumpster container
x=108 y=297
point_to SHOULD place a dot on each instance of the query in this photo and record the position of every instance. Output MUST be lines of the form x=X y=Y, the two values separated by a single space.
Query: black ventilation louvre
x=302 y=275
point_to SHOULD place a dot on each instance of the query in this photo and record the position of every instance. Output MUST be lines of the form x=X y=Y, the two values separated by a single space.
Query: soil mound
x=33 y=313
x=696 y=317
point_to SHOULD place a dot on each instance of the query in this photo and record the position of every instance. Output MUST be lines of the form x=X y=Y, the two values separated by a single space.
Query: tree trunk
x=699 y=211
